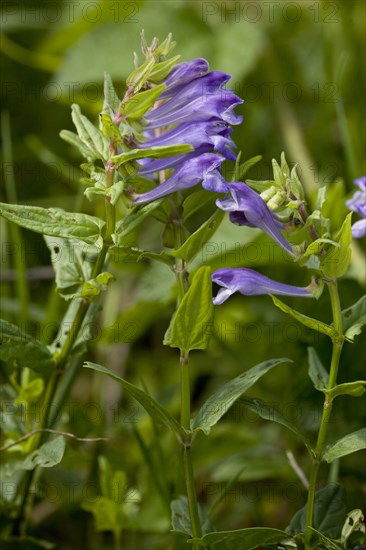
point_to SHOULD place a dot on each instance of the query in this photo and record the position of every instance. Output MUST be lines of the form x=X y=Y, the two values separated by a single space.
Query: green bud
x=268 y=193
x=277 y=200
x=165 y=47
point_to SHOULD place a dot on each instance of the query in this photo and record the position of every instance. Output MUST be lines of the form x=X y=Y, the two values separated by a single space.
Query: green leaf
x=111 y=100
x=108 y=515
x=354 y=318
x=150 y=405
x=109 y=129
x=336 y=261
x=161 y=70
x=221 y=401
x=194 y=315
x=356 y=389
x=242 y=539
x=243 y=168
x=91 y=136
x=133 y=220
x=347 y=445
x=115 y=191
x=135 y=107
x=31 y=392
x=72 y=261
x=126 y=254
x=194 y=202
x=48 y=455
x=54 y=222
x=140 y=75
x=317 y=372
x=74 y=140
x=195 y=242
x=330 y=512
x=266 y=411
x=181 y=521
x=21 y=350
x=319 y=326
x=92 y=288
x=153 y=152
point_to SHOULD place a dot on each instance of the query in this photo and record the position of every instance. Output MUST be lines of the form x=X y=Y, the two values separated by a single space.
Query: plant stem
x=187 y=455
x=327 y=407
x=185 y=392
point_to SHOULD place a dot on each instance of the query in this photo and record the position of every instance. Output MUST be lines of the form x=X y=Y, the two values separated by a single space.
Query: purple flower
x=201 y=99
x=183 y=73
x=250 y=283
x=202 y=168
x=196 y=109
x=246 y=207
x=358 y=204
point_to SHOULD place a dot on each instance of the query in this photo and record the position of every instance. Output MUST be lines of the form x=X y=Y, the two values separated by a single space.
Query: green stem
x=187 y=454
x=182 y=282
x=327 y=408
x=185 y=416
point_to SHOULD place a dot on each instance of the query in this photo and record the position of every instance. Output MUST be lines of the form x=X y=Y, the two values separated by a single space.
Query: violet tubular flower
x=248 y=208
x=358 y=204
x=194 y=109
x=250 y=283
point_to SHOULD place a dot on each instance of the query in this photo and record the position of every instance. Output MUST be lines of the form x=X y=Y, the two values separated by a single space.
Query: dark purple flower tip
x=358 y=204
x=248 y=208
x=250 y=283
x=188 y=174
x=183 y=73
x=199 y=100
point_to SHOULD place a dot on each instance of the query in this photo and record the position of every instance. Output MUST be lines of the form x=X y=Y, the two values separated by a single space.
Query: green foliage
x=181 y=522
x=190 y=326
x=54 y=222
x=47 y=455
x=336 y=261
x=354 y=318
x=348 y=444
x=317 y=372
x=152 y=407
x=314 y=324
x=21 y=350
x=244 y=539
x=220 y=402
x=329 y=513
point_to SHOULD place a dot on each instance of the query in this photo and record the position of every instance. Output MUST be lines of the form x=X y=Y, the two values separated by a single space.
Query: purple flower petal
x=246 y=207
x=250 y=283
x=358 y=204
x=190 y=173
x=183 y=73
x=201 y=88
x=200 y=135
x=198 y=110
x=359 y=229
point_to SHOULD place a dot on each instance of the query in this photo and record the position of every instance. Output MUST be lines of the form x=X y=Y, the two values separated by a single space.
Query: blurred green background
x=299 y=66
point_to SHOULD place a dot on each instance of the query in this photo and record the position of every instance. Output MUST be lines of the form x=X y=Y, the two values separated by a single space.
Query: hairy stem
x=327 y=407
